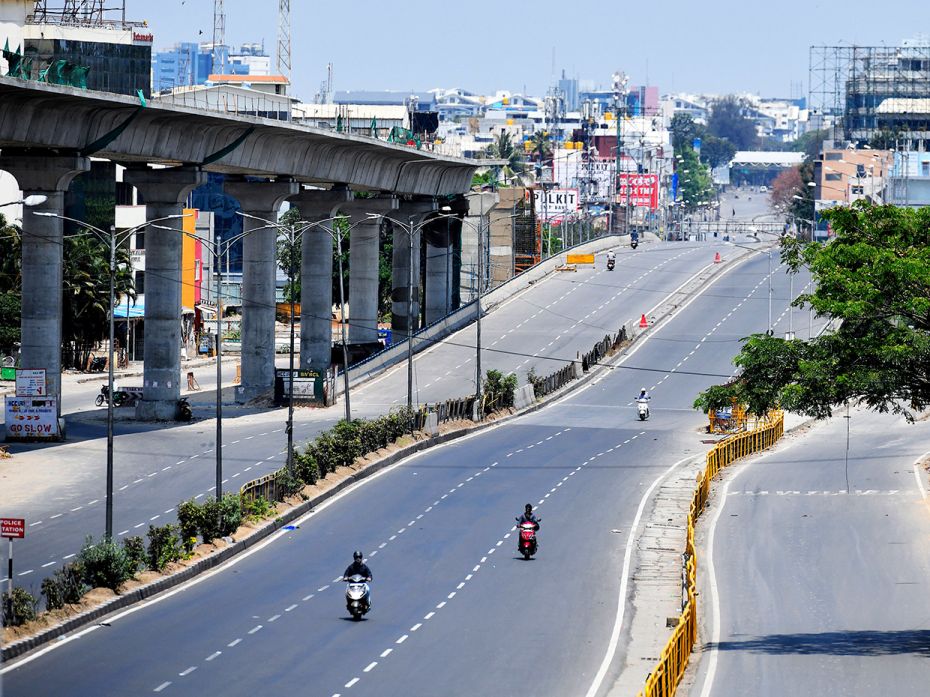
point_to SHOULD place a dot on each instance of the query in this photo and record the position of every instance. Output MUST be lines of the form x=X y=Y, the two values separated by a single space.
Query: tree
x=728 y=120
x=716 y=151
x=10 y=304
x=288 y=255
x=541 y=147
x=886 y=138
x=684 y=130
x=810 y=143
x=694 y=182
x=786 y=185
x=874 y=278
x=503 y=148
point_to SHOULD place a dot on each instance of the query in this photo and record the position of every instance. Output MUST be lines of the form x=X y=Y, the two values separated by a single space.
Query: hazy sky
x=679 y=45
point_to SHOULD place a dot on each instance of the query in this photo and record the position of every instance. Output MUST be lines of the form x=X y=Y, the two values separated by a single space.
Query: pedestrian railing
x=663 y=680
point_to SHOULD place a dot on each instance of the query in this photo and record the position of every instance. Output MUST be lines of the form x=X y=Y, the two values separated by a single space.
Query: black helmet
x=357 y=556
x=528 y=508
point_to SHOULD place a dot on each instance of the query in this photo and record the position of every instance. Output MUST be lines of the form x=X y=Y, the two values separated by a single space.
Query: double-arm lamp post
x=114 y=239
x=294 y=231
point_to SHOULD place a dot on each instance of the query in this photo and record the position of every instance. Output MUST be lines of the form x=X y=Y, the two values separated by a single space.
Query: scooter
x=643 y=406
x=610 y=264
x=119 y=397
x=526 y=544
x=358 y=596
x=634 y=239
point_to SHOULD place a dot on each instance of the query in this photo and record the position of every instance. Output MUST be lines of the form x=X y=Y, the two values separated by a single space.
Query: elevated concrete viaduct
x=47 y=132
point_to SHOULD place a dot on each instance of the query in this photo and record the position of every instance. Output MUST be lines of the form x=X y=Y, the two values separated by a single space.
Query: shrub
x=164 y=546
x=398 y=422
x=499 y=390
x=306 y=467
x=21 y=609
x=65 y=587
x=256 y=508
x=135 y=553
x=346 y=443
x=220 y=518
x=533 y=379
x=289 y=484
x=190 y=515
x=105 y=564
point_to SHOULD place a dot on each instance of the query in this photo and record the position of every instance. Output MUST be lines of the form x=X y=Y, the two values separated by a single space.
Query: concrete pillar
x=364 y=243
x=438 y=270
x=412 y=214
x=477 y=220
x=316 y=276
x=262 y=200
x=42 y=257
x=164 y=192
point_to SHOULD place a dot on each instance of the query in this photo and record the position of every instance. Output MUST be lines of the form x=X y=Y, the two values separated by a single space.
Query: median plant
x=498 y=390
x=105 y=564
x=135 y=553
x=190 y=520
x=18 y=608
x=64 y=587
x=164 y=546
x=220 y=518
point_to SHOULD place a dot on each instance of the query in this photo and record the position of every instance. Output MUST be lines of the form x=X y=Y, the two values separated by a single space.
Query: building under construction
x=870 y=91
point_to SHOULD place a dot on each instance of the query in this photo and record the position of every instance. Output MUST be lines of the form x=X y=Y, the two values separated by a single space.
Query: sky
x=697 y=46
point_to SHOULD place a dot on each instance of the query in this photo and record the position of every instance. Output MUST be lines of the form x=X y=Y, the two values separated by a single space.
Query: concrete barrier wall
x=460 y=318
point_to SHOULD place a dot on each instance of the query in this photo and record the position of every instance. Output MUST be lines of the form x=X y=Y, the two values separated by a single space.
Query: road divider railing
x=664 y=679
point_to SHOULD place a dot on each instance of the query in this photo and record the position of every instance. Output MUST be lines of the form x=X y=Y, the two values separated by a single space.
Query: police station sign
x=554 y=202
x=29 y=418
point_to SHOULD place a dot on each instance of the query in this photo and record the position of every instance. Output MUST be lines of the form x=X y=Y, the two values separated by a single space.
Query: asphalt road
x=818 y=587
x=455 y=612
x=59 y=488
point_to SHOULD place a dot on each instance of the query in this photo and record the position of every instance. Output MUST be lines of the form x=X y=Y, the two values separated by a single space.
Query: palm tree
x=503 y=148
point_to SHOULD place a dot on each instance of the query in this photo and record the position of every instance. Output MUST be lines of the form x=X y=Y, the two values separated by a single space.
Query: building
x=909 y=182
x=255 y=95
x=761 y=167
x=188 y=64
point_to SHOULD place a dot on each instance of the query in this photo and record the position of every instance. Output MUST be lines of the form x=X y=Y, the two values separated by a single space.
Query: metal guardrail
x=663 y=680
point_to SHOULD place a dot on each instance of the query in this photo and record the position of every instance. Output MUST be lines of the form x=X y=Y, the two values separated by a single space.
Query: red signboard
x=639 y=190
x=12 y=527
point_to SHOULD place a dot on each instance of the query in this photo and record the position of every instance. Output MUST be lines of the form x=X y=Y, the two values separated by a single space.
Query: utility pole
x=219 y=370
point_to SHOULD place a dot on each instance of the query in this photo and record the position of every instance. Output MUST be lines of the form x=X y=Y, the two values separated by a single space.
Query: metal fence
x=663 y=680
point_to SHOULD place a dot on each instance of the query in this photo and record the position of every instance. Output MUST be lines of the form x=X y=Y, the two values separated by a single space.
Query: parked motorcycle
x=358 y=596
x=643 y=406
x=526 y=543
x=184 y=412
x=119 y=397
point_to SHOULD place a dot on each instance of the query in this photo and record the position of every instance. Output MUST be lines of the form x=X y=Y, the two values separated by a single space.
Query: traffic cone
x=643 y=324
x=717 y=258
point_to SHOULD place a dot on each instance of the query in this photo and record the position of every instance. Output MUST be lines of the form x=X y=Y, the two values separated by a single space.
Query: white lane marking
x=290 y=607
x=124 y=532
x=451 y=595
x=416 y=626
x=273 y=618
x=401 y=640
x=51 y=563
x=162 y=686
x=624 y=581
x=351 y=682
x=234 y=642
x=57 y=515
x=307 y=597
x=428 y=615
x=255 y=629
x=441 y=605
x=188 y=671
x=920 y=482
x=386 y=653
x=367 y=669
x=322 y=588
x=213 y=655
x=68 y=556
x=38 y=522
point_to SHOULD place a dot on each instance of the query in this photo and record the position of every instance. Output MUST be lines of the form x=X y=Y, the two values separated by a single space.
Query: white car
x=763 y=189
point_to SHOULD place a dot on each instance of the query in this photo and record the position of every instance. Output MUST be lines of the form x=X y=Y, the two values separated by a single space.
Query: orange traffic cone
x=717 y=258
x=643 y=324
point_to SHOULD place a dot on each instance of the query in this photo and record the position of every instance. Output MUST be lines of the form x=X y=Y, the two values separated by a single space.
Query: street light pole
x=218 y=253
x=410 y=316
x=342 y=325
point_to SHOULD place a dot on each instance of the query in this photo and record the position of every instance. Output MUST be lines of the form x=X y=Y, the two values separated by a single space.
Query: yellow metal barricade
x=664 y=678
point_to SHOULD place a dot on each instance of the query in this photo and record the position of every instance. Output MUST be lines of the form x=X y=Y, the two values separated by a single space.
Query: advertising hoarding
x=639 y=190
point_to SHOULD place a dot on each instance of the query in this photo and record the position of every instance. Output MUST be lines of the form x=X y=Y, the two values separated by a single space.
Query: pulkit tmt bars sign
x=641 y=190
x=554 y=202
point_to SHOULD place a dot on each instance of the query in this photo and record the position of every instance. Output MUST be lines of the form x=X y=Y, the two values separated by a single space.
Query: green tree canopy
x=716 y=151
x=694 y=181
x=288 y=254
x=684 y=130
x=728 y=120
x=873 y=279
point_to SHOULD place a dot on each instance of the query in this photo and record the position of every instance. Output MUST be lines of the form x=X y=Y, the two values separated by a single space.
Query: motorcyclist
x=611 y=257
x=357 y=567
x=643 y=395
x=528 y=517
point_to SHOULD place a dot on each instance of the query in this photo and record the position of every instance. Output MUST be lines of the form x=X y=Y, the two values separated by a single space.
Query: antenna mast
x=284 y=38
x=219 y=35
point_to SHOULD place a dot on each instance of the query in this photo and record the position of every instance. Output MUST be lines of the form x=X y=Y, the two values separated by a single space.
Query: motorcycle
x=358 y=596
x=184 y=412
x=119 y=397
x=610 y=264
x=634 y=240
x=643 y=406
x=526 y=544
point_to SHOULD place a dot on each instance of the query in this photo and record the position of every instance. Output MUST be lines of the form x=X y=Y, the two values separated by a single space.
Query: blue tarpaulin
x=130 y=309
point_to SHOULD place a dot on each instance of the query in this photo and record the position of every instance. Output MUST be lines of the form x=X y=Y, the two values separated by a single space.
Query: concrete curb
x=23 y=646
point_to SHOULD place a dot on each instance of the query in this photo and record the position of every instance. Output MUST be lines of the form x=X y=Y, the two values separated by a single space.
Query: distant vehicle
x=763 y=189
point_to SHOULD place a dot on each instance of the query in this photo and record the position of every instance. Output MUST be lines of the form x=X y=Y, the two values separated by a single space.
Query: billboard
x=552 y=202
x=28 y=418
x=639 y=190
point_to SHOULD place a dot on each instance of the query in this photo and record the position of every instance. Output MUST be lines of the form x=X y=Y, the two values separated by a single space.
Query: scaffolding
x=80 y=13
x=849 y=85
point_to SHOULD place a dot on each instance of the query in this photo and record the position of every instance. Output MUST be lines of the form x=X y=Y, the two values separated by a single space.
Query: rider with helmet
x=358 y=567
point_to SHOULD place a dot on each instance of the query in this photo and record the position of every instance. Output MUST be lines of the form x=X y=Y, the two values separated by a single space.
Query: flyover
x=49 y=132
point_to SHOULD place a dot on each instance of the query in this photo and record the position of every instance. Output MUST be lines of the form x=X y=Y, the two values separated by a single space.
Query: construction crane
x=284 y=38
